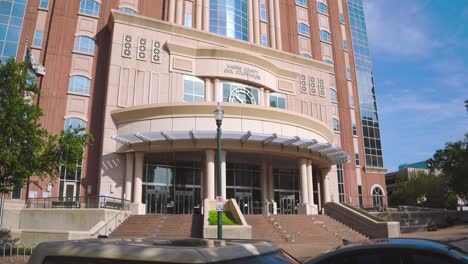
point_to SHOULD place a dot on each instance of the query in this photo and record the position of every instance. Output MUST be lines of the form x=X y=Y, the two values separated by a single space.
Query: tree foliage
x=26 y=148
x=452 y=161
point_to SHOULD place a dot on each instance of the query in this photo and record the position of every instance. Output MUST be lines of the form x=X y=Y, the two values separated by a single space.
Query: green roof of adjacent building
x=416 y=165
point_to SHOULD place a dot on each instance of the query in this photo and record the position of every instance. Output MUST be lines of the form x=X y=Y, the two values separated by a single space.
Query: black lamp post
x=218 y=115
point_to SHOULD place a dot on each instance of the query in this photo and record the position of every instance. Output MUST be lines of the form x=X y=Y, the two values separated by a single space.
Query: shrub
x=213 y=218
x=451 y=201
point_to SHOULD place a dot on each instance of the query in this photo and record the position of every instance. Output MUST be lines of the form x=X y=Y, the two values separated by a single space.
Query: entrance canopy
x=333 y=154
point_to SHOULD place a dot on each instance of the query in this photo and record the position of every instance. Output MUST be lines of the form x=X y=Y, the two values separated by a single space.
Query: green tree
x=452 y=161
x=26 y=148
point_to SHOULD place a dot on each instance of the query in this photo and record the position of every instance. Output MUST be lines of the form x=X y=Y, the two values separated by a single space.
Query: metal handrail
x=79 y=202
x=107 y=224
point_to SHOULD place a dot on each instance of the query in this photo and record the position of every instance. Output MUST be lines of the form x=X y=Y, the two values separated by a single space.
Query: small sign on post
x=219 y=203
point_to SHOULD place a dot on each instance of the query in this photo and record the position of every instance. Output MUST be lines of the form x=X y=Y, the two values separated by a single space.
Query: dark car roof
x=158 y=250
x=397 y=243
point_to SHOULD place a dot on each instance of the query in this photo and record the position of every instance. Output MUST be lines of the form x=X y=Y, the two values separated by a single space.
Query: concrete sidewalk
x=455 y=235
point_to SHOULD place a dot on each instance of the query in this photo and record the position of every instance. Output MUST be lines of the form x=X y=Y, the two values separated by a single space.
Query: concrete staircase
x=161 y=226
x=262 y=229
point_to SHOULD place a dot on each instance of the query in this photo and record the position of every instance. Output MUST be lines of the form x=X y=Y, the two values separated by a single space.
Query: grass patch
x=213 y=218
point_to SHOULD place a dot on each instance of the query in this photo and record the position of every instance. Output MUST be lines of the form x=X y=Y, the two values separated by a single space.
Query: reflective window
x=11 y=21
x=16 y=193
x=306 y=55
x=264 y=40
x=84 y=44
x=239 y=93
x=229 y=18
x=301 y=2
x=325 y=36
x=336 y=125
x=351 y=101
x=333 y=95
x=128 y=10
x=377 y=197
x=345 y=44
x=263 y=10
x=348 y=73
x=356 y=157
x=322 y=8
x=194 y=89
x=340 y=174
x=73 y=123
x=188 y=15
x=303 y=29
x=89 y=7
x=328 y=62
x=278 y=100
x=342 y=18
x=79 y=84
x=354 y=130
x=44 y=4
x=37 y=41
x=361 y=204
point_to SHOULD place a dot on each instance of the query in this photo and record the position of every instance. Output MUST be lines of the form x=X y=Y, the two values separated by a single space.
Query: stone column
x=206 y=15
x=303 y=173
x=264 y=181
x=217 y=91
x=256 y=22
x=198 y=14
x=271 y=192
x=278 y=26
x=223 y=174
x=179 y=14
x=319 y=205
x=310 y=187
x=325 y=183
x=129 y=168
x=261 y=97
x=250 y=19
x=208 y=90
x=266 y=97
x=271 y=6
x=137 y=206
x=172 y=11
x=210 y=174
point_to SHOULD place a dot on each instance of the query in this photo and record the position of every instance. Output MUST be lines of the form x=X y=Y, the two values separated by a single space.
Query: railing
x=113 y=223
x=79 y=202
x=15 y=253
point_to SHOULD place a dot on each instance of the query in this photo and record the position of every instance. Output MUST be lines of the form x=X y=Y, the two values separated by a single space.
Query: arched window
x=333 y=95
x=301 y=2
x=328 y=62
x=377 y=197
x=325 y=36
x=84 y=44
x=79 y=84
x=128 y=10
x=306 y=55
x=322 y=8
x=89 y=7
x=303 y=29
x=73 y=123
x=336 y=125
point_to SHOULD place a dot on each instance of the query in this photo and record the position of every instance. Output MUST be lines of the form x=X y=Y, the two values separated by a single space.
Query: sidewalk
x=455 y=235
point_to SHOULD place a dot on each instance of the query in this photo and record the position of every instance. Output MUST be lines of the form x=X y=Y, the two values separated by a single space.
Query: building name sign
x=242 y=71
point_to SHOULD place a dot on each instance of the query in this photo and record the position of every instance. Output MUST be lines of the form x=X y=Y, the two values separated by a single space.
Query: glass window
x=44 y=4
x=356 y=157
x=73 y=123
x=128 y=10
x=37 y=41
x=325 y=36
x=342 y=18
x=303 y=29
x=340 y=174
x=89 y=7
x=359 y=188
x=188 y=19
x=354 y=130
x=322 y=8
x=328 y=62
x=16 y=193
x=377 y=197
x=345 y=44
x=229 y=18
x=301 y=2
x=306 y=55
x=79 y=84
x=84 y=44
x=333 y=95
x=348 y=73
x=351 y=101
x=194 y=89
x=239 y=93
x=336 y=125
x=263 y=11
x=264 y=40
x=278 y=100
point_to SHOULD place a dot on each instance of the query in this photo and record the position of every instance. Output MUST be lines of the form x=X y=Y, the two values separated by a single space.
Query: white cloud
x=398 y=28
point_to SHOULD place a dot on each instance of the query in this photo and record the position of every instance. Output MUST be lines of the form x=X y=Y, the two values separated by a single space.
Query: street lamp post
x=218 y=115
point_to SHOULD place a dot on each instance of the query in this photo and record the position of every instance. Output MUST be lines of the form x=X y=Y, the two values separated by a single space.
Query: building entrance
x=287 y=205
x=243 y=184
x=286 y=188
x=244 y=200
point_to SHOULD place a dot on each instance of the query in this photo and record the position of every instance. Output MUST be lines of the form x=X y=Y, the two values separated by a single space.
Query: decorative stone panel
x=141 y=49
x=156 y=52
x=127 y=46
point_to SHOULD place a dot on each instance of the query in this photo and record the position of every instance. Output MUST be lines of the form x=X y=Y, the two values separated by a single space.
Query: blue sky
x=420 y=58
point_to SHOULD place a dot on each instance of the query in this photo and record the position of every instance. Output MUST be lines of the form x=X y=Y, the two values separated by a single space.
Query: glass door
x=244 y=200
x=156 y=202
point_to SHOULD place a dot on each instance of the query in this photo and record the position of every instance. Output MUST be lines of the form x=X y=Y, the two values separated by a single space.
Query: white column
x=250 y=19
x=223 y=174
x=262 y=97
x=198 y=14
x=325 y=183
x=271 y=192
x=266 y=97
x=217 y=91
x=256 y=22
x=179 y=9
x=206 y=15
x=278 y=26
x=172 y=11
x=210 y=174
x=303 y=173
x=138 y=181
x=129 y=168
x=271 y=5
x=208 y=90
x=264 y=181
x=310 y=184
x=319 y=184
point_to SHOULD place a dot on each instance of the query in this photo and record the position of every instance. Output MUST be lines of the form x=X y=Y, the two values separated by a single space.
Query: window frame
x=333 y=96
x=71 y=126
x=326 y=39
x=354 y=129
x=263 y=11
x=357 y=160
x=345 y=44
x=277 y=96
x=321 y=4
x=336 y=125
x=342 y=18
x=302 y=3
x=36 y=38
x=94 y=12
x=264 y=39
x=73 y=79
x=126 y=9
x=42 y=7
x=193 y=95
x=80 y=37
x=299 y=24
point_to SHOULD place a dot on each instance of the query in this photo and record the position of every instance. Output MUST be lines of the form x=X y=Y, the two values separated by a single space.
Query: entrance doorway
x=244 y=200
x=243 y=184
x=156 y=202
x=286 y=188
x=183 y=202
x=287 y=204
